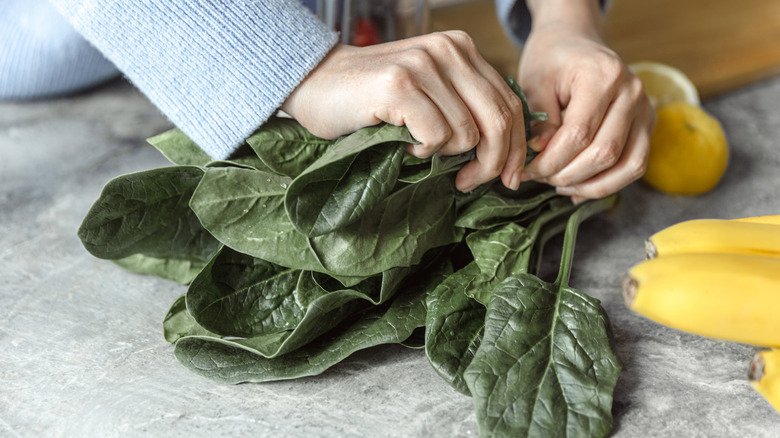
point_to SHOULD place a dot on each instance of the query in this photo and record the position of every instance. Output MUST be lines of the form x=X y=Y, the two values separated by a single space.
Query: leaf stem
x=584 y=212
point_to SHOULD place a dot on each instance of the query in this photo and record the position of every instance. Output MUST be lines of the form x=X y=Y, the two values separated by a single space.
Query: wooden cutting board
x=720 y=44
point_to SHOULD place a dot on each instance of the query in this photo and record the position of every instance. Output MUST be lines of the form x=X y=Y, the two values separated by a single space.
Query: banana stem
x=630 y=287
x=651 y=251
x=756 y=368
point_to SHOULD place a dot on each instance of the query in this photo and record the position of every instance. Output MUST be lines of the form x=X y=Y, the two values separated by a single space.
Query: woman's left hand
x=602 y=143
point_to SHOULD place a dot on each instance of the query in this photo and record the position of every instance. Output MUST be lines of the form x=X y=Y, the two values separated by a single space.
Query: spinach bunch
x=299 y=251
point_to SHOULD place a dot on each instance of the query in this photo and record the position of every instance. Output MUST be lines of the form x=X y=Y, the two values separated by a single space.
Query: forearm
x=216 y=69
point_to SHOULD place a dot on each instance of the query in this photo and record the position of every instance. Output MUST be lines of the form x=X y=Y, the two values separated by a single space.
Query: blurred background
x=720 y=44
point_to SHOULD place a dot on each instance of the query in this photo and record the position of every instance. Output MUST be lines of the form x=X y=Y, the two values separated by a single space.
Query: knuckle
x=492 y=169
x=636 y=168
x=398 y=77
x=503 y=118
x=461 y=38
x=423 y=150
x=560 y=181
x=608 y=154
x=441 y=42
x=432 y=140
x=467 y=134
x=580 y=135
x=420 y=59
x=636 y=87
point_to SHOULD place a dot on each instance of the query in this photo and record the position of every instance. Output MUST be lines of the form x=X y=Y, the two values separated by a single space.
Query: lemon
x=688 y=150
x=664 y=83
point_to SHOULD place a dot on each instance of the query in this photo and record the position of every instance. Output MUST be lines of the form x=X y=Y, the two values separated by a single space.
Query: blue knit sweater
x=216 y=68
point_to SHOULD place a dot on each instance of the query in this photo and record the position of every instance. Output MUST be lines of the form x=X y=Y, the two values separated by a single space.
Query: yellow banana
x=764 y=376
x=744 y=236
x=734 y=297
x=772 y=220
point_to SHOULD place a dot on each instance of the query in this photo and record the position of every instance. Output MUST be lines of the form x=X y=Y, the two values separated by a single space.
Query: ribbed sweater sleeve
x=216 y=68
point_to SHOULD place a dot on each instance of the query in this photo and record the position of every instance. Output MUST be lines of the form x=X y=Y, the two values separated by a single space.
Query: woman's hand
x=437 y=85
x=602 y=143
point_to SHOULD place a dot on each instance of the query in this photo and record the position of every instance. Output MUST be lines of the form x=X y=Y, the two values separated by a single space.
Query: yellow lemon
x=688 y=150
x=664 y=84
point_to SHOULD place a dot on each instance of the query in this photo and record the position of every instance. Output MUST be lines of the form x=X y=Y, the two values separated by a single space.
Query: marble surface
x=81 y=346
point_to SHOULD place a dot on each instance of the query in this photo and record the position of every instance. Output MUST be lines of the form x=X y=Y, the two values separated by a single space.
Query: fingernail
x=468 y=188
x=566 y=191
x=534 y=143
x=514 y=184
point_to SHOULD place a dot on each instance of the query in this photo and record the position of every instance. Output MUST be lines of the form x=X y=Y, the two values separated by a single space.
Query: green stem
x=537 y=226
x=583 y=212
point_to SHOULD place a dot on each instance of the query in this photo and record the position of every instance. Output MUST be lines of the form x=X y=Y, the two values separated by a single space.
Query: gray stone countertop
x=81 y=346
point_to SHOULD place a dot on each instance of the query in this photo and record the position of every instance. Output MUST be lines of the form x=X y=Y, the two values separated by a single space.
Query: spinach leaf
x=178 y=323
x=349 y=179
x=147 y=213
x=528 y=115
x=417 y=169
x=259 y=296
x=397 y=233
x=264 y=298
x=545 y=366
x=393 y=322
x=244 y=210
x=286 y=147
x=181 y=271
x=179 y=149
x=494 y=208
x=456 y=309
x=453 y=327
x=243 y=158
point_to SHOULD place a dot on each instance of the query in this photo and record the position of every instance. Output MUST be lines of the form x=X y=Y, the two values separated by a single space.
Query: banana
x=743 y=236
x=764 y=376
x=772 y=220
x=733 y=297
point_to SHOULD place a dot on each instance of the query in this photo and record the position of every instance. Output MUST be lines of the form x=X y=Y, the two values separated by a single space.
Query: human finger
x=497 y=112
x=515 y=159
x=421 y=116
x=630 y=167
x=608 y=143
x=544 y=99
x=584 y=115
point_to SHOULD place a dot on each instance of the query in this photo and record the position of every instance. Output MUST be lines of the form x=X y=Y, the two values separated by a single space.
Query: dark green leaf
x=243 y=209
x=231 y=363
x=178 y=323
x=262 y=298
x=286 y=147
x=494 y=208
x=147 y=213
x=453 y=327
x=545 y=366
x=178 y=270
x=245 y=158
x=528 y=115
x=414 y=171
x=239 y=295
x=179 y=149
x=348 y=180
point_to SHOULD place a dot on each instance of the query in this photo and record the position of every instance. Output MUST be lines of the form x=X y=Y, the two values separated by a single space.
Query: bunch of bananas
x=720 y=279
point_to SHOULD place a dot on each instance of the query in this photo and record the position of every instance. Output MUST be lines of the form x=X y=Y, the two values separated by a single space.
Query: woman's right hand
x=438 y=85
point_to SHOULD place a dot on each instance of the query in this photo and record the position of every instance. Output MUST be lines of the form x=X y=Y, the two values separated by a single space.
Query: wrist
x=295 y=103
x=583 y=17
